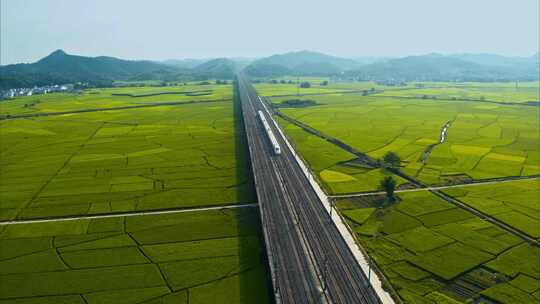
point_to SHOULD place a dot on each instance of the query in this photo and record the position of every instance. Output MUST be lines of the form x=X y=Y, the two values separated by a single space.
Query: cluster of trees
x=391 y=160
x=305 y=85
x=367 y=92
x=388 y=183
x=296 y=103
x=282 y=81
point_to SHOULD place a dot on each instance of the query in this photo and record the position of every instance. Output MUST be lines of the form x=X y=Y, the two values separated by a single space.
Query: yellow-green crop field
x=121 y=160
x=515 y=203
x=434 y=252
x=267 y=89
x=193 y=257
x=280 y=89
x=193 y=154
x=430 y=250
x=113 y=97
x=333 y=166
x=484 y=140
x=137 y=159
x=524 y=92
x=312 y=79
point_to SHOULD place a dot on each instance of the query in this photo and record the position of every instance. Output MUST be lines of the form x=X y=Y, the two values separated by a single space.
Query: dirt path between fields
x=124 y=214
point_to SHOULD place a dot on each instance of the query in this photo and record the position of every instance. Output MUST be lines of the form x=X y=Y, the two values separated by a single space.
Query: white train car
x=273 y=140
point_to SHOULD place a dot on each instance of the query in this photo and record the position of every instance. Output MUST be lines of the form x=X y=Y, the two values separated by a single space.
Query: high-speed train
x=275 y=145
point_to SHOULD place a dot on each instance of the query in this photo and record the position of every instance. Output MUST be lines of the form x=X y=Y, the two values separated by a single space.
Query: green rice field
x=428 y=249
x=125 y=160
x=194 y=257
x=281 y=89
x=334 y=167
x=484 y=140
x=113 y=97
x=515 y=203
x=193 y=154
x=165 y=157
x=267 y=89
x=497 y=92
x=434 y=252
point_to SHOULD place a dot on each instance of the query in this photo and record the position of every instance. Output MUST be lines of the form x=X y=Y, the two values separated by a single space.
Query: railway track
x=309 y=260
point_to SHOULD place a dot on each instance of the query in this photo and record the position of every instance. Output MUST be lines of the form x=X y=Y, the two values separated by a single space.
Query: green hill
x=435 y=67
x=221 y=68
x=300 y=63
x=59 y=67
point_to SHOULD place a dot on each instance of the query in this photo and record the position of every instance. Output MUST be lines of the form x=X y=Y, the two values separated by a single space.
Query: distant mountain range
x=59 y=68
x=464 y=67
x=498 y=60
x=300 y=63
x=221 y=68
x=188 y=63
x=431 y=67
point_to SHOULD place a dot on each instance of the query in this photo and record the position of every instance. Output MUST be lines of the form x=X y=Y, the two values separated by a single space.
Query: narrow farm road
x=124 y=214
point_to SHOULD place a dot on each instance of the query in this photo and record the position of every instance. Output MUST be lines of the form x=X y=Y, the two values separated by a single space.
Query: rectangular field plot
x=288 y=85
x=515 y=203
x=113 y=97
x=337 y=170
x=286 y=89
x=483 y=140
x=493 y=92
x=114 y=161
x=453 y=258
x=142 y=259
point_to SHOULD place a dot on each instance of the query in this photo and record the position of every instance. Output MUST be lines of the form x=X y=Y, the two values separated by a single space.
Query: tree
x=391 y=159
x=305 y=85
x=388 y=184
x=324 y=83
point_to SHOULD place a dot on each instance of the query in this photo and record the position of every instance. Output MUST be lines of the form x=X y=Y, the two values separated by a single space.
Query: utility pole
x=369 y=269
x=325 y=273
x=278 y=292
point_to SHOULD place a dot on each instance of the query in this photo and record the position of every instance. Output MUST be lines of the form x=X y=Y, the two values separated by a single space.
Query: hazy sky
x=161 y=29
